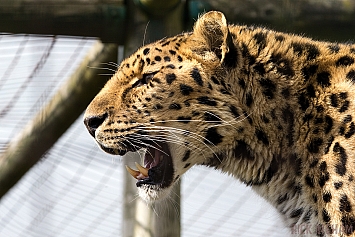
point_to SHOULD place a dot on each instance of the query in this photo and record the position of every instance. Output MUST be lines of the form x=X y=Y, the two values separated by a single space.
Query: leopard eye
x=146 y=78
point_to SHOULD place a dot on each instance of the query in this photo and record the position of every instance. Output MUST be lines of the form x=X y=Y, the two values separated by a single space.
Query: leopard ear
x=212 y=30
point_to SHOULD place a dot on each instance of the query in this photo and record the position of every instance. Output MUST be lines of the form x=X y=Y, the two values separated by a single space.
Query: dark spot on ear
x=351 y=76
x=195 y=74
x=213 y=136
x=260 y=39
x=323 y=78
x=206 y=101
x=170 y=77
x=334 y=48
x=186 y=156
x=146 y=51
x=340 y=153
x=261 y=135
x=185 y=89
x=309 y=71
x=345 y=61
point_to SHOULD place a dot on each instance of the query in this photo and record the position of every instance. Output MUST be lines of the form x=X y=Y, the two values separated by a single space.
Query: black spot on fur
x=157 y=106
x=241 y=82
x=172 y=52
x=311 y=91
x=249 y=99
x=175 y=106
x=279 y=38
x=328 y=124
x=170 y=77
x=334 y=100
x=351 y=131
x=260 y=39
x=345 y=61
x=171 y=66
x=261 y=135
x=326 y=217
x=157 y=58
x=348 y=118
x=328 y=144
x=186 y=156
x=195 y=74
x=213 y=136
x=179 y=58
x=323 y=79
x=351 y=75
x=327 y=197
x=303 y=101
x=167 y=59
x=344 y=204
x=186 y=89
x=309 y=181
x=282 y=198
x=310 y=50
x=288 y=118
x=214 y=80
x=234 y=111
x=146 y=51
x=348 y=224
x=211 y=117
x=206 y=101
x=283 y=66
x=187 y=165
x=309 y=71
x=334 y=48
x=243 y=151
x=286 y=93
x=259 y=68
x=314 y=145
x=269 y=88
x=296 y=213
x=340 y=152
x=184 y=119
x=338 y=185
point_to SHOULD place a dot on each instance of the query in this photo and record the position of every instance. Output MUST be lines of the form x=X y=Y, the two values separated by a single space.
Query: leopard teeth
x=134 y=173
x=144 y=171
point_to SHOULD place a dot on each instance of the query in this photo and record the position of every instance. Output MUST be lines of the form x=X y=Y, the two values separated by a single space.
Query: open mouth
x=157 y=168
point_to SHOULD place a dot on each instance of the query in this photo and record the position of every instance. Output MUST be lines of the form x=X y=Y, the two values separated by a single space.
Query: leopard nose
x=93 y=122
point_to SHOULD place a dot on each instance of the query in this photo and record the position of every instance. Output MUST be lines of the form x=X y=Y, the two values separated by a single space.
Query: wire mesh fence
x=77 y=190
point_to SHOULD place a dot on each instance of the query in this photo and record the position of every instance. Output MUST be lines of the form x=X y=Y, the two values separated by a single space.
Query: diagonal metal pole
x=55 y=118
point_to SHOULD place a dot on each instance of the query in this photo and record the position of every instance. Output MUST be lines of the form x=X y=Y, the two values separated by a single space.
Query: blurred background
x=55 y=56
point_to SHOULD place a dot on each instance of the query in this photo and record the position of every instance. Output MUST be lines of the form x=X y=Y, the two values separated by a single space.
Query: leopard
x=273 y=110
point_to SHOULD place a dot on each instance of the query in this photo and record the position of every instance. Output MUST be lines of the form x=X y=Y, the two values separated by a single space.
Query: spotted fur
x=274 y=110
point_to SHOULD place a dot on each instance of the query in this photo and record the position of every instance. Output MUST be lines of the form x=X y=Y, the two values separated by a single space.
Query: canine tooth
x=144 y=171
x=134 y=173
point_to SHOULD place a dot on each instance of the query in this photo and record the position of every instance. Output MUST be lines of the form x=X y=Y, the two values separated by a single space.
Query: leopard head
x=168 y=99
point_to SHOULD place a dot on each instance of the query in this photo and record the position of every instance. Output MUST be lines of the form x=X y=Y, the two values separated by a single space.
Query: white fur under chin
x=151 y=195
